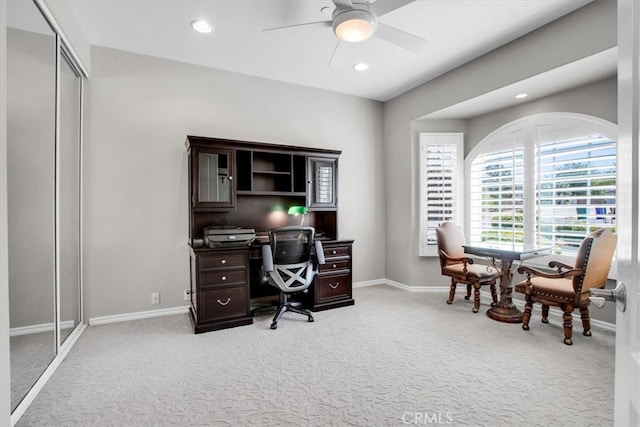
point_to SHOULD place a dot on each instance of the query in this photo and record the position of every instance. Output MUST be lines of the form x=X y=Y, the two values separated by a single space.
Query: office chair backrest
x=287 y=259
x=291 y=245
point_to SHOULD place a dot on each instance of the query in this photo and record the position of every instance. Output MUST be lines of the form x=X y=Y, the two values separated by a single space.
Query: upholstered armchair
x=462 y=269
x=569 y=287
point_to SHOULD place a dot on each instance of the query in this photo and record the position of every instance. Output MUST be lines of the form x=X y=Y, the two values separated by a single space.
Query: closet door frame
x=63 y=47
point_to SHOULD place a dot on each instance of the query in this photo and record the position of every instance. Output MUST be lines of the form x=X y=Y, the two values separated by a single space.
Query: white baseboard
x=36 y=329
x=103 y=320
x=400 y=286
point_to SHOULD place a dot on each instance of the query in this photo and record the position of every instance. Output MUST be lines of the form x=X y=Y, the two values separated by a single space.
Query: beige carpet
x=395 y=358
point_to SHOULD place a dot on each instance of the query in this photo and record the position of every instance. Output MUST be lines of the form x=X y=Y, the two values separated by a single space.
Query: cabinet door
x=213 y=187
x=322 y=183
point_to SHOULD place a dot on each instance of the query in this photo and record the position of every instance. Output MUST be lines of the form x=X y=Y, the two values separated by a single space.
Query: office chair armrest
x=319 y=252
x=267 y=258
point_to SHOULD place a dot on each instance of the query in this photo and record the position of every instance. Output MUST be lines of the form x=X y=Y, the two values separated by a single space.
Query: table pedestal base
x=505 y=314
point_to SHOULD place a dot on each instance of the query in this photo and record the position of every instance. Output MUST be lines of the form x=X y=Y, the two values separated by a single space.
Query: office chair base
x=288 y=307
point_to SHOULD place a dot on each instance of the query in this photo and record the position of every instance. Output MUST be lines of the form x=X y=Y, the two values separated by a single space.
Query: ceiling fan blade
x=339 y=54
x=343 y=4
x=385 y=6
x=400 y=38
x=306 y=24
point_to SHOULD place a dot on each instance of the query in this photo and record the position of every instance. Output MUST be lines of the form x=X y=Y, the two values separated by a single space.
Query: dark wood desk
x=505 y=310
x=225 y=279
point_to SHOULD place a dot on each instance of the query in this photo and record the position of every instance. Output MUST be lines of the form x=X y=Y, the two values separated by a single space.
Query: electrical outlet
x=155 y=298
x=187 y=294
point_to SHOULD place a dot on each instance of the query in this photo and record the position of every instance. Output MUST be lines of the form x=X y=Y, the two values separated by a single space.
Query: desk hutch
x=252 y=185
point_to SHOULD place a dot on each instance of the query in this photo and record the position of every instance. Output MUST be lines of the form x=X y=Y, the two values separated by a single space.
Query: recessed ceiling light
x=201 y=26
x=361 y=66
x=522 y=95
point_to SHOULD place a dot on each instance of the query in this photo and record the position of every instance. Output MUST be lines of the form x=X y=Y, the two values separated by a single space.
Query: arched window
x=548 y=179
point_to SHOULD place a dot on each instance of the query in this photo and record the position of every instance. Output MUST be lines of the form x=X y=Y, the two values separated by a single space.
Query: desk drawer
x=333 y=286
x=223 y=277
x=223 y=303
x=223 y=260
x=336 y=251
x=333 y=265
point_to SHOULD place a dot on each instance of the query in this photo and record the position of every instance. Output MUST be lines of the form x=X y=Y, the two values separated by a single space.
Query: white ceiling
x=457 y=31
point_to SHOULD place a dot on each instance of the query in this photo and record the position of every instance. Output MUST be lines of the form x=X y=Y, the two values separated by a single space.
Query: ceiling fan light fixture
x=354 y=25
x=201 y=26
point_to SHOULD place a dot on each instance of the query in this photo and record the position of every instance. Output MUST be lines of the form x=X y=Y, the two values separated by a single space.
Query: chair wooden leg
x=494 y=295
x=452 y=292
x=567 y=323
x=545 y=313
x=468 y=292
x=586 y=322
x=527 y=314
x=476 y=297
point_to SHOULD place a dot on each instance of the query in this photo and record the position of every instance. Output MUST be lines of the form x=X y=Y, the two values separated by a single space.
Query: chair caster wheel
x=587 y=333
x=475 y=310
x=525 y=327
x=274 y=326
x=545 y=321
x=311 y=319
x=449 y=302
x=568 y=341
x=466 y=297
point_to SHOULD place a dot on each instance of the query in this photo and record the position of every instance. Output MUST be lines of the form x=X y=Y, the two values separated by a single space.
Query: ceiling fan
x=354 y=21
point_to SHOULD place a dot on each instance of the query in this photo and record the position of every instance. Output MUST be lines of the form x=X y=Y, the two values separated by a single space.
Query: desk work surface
x=513 y=251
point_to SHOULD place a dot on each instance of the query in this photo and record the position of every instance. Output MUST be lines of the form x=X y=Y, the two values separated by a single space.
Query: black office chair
x=287 y=264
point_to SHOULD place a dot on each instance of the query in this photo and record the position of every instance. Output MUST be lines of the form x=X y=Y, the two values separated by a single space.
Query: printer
x=225 y=236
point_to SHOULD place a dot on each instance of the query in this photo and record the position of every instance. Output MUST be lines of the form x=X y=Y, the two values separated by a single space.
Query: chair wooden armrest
x=560 y=266
x=449 y=259
x=534 y=272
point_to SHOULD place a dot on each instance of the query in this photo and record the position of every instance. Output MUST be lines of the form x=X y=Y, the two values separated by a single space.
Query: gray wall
x=597 y=99
x=589 y=30
x=139 y=111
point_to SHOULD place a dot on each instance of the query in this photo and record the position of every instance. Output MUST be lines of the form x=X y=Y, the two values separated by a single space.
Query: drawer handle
x=224 y=277
x=224 y=303
x=334 y=252
x=334 y=266
x=224 y=261
x=332 y=286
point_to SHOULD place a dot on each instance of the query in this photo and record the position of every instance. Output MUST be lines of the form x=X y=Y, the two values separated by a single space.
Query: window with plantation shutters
x=576 y=189
x=497 y=197
x=441 y=185
x=547 y=181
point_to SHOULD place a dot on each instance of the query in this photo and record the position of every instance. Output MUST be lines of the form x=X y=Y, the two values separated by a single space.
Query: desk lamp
x=298 y=210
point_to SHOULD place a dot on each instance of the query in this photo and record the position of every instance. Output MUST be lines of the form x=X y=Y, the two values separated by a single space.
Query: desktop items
x=227 y=236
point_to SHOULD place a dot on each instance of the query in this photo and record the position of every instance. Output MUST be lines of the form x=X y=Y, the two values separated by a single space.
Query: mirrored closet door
x=44 y=100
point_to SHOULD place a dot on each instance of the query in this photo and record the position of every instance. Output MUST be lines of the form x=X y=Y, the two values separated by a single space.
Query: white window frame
x=454 y=141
